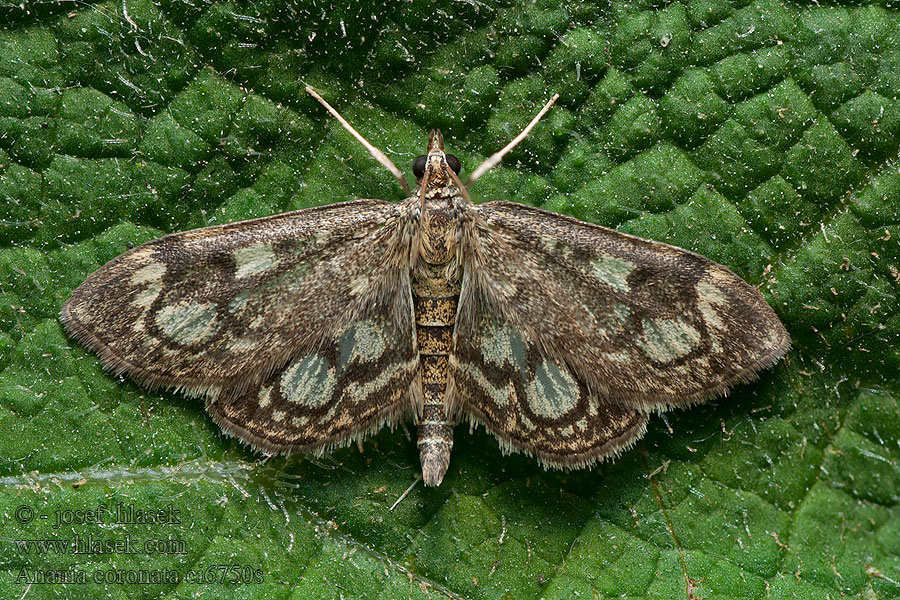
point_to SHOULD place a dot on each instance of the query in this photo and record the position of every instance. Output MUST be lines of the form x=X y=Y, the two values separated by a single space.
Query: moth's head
x=436 y=163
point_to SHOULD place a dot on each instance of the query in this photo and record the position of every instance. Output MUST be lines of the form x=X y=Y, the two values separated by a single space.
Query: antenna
x=496 y=157
x=377 y=154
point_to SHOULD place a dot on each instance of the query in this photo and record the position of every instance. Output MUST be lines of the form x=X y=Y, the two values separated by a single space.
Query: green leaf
x=762 y=134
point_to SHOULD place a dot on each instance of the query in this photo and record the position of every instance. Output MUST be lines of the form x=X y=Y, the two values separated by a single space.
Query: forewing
x=223 y=309
x=640 y=323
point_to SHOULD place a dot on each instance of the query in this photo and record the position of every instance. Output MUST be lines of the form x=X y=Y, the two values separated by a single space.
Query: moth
x=307 y=330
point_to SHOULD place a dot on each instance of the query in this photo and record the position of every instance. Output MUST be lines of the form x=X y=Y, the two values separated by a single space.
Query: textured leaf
x=762 y=134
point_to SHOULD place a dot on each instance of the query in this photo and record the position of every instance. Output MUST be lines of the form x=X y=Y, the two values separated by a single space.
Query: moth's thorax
x=439 y=227
x=441 y=206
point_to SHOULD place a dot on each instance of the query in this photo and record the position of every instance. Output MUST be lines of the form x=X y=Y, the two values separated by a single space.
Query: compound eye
x=419 y=166
x=454 y=163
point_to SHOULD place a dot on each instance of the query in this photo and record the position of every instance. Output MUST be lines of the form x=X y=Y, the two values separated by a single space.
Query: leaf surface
x=761 y=134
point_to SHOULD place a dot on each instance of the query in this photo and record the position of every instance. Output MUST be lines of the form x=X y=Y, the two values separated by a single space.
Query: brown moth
x=307 y=330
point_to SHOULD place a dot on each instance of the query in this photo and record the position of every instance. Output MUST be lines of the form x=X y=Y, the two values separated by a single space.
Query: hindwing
x=532 y=401
x=350 y=385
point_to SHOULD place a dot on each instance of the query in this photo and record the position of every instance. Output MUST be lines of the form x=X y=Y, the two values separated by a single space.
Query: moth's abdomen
x=434 y=300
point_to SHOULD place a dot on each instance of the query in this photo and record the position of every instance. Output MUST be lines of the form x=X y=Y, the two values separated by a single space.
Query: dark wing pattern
x=292 y=306
x=632 y=325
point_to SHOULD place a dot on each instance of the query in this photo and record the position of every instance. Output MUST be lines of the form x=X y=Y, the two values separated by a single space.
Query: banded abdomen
x=435 y=299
